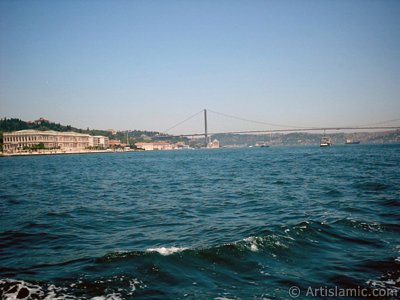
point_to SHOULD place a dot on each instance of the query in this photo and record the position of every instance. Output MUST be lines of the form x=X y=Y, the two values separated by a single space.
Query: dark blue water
x=206 y=224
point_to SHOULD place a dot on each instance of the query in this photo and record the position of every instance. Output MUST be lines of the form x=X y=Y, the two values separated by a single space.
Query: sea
x=253 y=223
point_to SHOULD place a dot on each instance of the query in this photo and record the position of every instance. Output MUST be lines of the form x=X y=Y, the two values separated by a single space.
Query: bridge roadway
x=285 y=128
x=288 y=130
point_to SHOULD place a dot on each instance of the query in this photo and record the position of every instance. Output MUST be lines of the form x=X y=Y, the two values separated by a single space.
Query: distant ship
x=351 y=142
x=262 y=144
x=325 y=141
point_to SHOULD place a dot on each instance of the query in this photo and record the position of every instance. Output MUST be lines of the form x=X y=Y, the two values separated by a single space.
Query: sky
x=150 y=64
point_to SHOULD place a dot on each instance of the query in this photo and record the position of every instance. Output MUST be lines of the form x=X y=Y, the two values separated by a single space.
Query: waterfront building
x=150 y=146
x=114 y=143
x=99 y=141
x=117 y=144
x=19 y=141
x=213 y=145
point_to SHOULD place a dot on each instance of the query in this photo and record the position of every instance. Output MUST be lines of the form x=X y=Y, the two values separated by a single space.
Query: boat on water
x=325 y=141
x=351 y=142
x=262 y=145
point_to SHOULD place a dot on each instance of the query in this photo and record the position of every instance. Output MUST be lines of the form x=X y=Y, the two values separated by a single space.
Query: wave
x=252 y=243
x=371 y=186
x=277 y=239
x=258 y=254
x=11 y=289
x=15 y=238
x=389 y=279
x=368 y=226
x=18 y=289
x=167 y=250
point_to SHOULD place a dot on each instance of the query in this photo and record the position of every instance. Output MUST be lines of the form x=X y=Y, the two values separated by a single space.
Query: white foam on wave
x=52 y=292
x=134 y=284
x=252 y=243
x=390 y=284
x=254 y=248
x=22 y=290
x=165 y=251
x=19 y=289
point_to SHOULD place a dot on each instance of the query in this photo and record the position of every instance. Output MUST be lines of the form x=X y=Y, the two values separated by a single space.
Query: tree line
x=15 y=124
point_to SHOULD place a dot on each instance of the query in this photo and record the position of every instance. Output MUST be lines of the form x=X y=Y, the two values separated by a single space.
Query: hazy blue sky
x=150 y=64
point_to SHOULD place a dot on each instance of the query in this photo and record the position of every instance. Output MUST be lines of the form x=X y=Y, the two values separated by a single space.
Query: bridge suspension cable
x=294 y=130
x=284 y=128
x=181 y=122
x=382 y=122
x=253 y=121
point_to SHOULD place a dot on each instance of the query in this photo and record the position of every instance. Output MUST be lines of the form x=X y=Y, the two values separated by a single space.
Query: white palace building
x=18 y=141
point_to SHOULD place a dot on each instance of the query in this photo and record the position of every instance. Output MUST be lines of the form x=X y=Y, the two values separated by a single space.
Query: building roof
x=46 y=132
x=153 y=143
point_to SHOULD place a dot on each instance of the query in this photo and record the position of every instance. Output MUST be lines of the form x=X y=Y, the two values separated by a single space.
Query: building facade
x=155 y=146
x=99 y=141
x=18 y=141
x=213 y=145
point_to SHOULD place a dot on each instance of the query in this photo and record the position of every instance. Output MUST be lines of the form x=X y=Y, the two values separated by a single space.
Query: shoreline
x=61 y=153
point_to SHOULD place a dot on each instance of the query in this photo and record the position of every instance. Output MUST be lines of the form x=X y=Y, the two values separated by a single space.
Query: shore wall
x=57 y=152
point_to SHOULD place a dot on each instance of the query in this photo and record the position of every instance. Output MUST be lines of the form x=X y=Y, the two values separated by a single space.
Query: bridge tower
x=205 y=129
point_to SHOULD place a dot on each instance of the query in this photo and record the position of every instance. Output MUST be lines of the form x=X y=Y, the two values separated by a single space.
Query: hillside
x=303 y=138
x=298 y=138
x=14 y=124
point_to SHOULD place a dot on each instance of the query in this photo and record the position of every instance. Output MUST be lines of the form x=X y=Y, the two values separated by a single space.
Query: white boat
x=325 y=141
x=351 y=142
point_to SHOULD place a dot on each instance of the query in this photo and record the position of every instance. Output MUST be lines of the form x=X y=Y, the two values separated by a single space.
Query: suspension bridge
x=281 y=127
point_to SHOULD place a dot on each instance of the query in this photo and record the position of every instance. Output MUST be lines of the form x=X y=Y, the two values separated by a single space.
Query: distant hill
x=297 y=138
x=304 y=138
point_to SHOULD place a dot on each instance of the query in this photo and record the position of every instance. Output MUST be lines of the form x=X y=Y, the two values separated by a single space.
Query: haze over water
x=230 y=223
